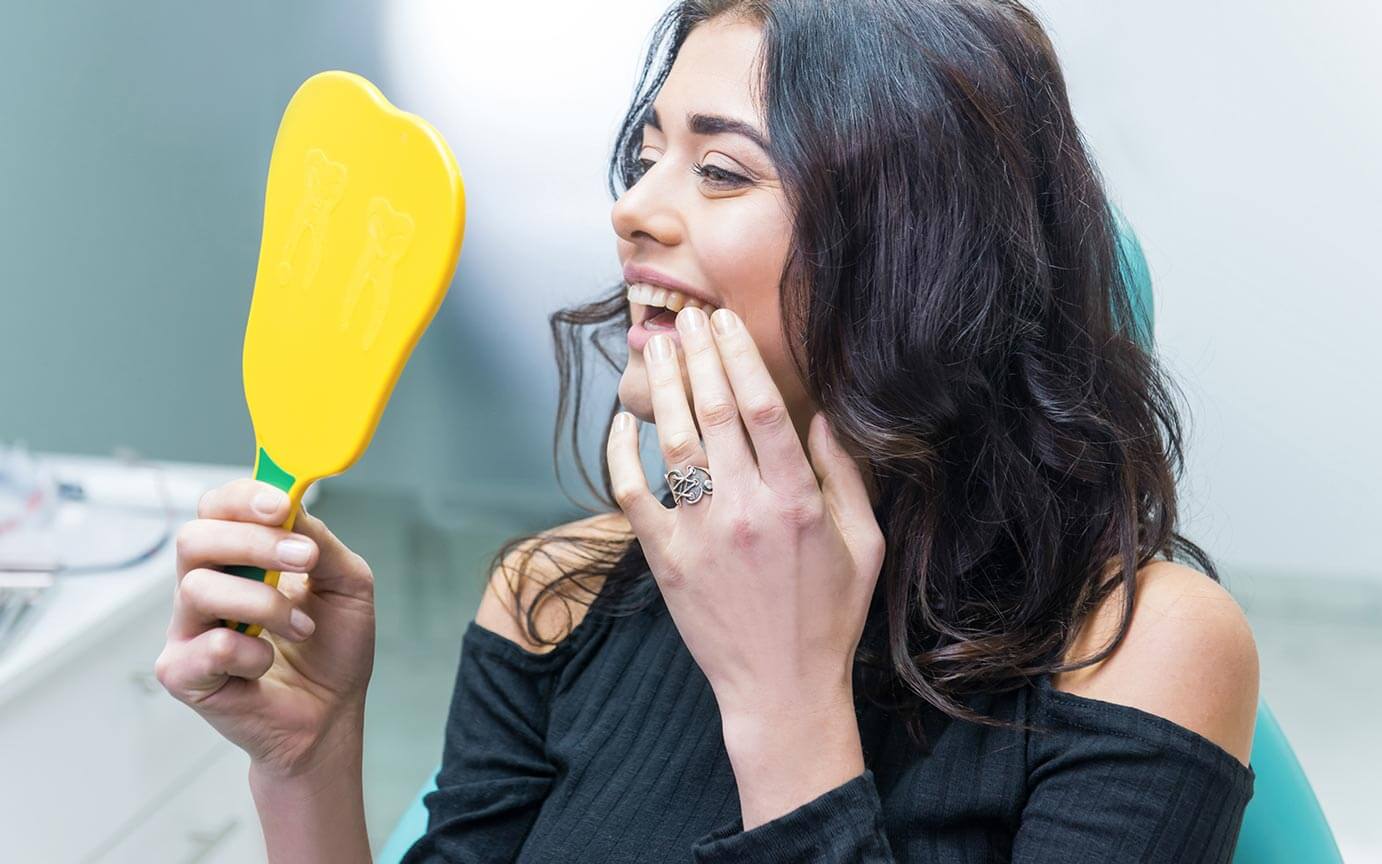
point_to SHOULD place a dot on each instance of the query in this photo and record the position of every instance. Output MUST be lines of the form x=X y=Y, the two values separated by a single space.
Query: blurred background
x=1238 y=138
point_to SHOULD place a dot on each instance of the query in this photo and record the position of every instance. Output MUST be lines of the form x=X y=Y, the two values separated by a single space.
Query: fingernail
x=661 y=347
x=294 y=552
x=301 y=623
x=621 y=422
x=268 y=501
x=695 y=319
x=724 y=321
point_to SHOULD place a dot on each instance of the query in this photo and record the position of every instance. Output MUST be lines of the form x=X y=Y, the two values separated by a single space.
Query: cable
x=74 y=492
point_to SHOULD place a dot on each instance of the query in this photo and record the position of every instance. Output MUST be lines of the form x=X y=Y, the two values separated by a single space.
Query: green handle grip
x=267 y=470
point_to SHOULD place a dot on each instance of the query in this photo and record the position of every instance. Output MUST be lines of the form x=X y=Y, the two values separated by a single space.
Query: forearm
x=782 y=761
x=317 y=814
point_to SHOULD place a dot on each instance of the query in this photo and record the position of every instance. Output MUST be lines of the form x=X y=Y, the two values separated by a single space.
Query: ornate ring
x=688 y=487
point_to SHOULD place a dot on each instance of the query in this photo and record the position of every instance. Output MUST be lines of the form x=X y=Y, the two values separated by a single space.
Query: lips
x=642 y=273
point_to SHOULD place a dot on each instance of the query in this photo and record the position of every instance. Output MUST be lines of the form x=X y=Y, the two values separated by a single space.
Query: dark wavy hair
x=960 y=311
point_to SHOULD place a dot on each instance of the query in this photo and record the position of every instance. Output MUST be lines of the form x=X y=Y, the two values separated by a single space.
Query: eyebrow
x=712 y=124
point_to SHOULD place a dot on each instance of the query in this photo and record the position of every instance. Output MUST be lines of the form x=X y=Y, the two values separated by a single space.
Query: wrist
x=783 y=759
x=314 y=810
x=751 y=719
x=755 y=735
x=338 y=750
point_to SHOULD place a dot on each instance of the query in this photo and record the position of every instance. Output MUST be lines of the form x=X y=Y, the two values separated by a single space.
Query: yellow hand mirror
x=364 y=214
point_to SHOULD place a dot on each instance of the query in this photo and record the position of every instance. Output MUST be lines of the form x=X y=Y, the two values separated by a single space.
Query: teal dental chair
x=1283 y=823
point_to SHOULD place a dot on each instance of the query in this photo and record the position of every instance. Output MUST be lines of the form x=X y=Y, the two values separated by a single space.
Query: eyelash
x=713 y=173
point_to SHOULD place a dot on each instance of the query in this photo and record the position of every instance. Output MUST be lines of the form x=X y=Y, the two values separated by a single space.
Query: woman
x=910 y=595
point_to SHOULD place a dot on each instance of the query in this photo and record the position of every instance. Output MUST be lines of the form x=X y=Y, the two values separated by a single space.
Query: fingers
x=676 y=430
x=339 y=568
x=782 y=464
x=214 y=543
x=726 y=443
x=241 y=522
x=645 y=513
x=846 y=495
x=192 y=670
x=245 y=500
x=205 y=597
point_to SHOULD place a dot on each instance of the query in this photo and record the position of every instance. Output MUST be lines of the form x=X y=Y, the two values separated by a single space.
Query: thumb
x=842 y=484
x=338 y=567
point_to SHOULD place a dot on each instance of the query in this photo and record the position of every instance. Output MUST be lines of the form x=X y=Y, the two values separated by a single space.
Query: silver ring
x=688 y=487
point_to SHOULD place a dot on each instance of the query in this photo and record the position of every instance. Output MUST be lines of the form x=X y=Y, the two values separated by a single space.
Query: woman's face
x=724 y=236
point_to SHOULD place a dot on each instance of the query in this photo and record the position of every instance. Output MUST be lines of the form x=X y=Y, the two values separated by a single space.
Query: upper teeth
x=646 y=295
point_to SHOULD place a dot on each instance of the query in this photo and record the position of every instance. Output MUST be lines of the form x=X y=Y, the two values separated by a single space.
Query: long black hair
x=961 y=313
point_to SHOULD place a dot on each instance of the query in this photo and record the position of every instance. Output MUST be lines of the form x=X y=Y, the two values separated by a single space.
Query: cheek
x=772 y=346
x=746 y=254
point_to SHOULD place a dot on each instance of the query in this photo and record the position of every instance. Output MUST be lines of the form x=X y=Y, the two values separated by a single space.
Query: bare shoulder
x=520 y=579
x=1189 y=656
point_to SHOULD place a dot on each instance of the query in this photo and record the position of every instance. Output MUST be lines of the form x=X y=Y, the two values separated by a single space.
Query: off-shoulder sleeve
x=1114 y=783
x=844 y=824
x=494 y=774
x=1106 y=783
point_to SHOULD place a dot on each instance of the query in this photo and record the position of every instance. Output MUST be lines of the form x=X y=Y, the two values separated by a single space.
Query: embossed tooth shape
x=388 y=234
x=325 y=184
x=364 y=213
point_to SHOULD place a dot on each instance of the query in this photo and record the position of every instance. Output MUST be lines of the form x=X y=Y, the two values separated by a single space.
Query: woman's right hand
x=289 y=697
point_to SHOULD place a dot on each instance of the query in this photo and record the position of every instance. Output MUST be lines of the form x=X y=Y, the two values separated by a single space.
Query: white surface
x=1241 y=140
x=201 y=823
x=90 y=604
x=86 y=729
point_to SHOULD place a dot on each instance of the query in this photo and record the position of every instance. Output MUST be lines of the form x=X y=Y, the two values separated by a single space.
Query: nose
x=647 y=210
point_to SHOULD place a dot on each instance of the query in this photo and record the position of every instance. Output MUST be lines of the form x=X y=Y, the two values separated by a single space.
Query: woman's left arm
x=769 y=577
x=1136 y=763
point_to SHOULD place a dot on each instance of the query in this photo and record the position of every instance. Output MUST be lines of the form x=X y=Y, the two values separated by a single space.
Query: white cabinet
x=97 y=762
x=207 y=820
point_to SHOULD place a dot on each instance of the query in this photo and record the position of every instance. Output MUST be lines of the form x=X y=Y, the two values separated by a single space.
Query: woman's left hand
x=768 y=577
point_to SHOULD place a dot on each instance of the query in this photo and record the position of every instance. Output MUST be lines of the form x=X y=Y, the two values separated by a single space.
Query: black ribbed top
x=608 y=749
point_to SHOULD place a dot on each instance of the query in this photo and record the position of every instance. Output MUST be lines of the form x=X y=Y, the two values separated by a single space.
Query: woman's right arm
x=293 y=698
x=318 y=813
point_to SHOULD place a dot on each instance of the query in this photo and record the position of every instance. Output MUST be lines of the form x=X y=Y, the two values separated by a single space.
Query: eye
x=719 y=176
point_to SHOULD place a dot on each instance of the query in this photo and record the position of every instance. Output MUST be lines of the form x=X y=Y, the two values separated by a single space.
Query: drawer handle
x=209 y=840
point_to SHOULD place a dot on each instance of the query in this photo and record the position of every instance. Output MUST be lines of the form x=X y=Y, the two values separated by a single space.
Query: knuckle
x=163 y=669
x=719 y=414
x=220 y=647
x=879 y=542
x=659 y=373
x=194 y=583
x=361 y=567
x=185 y=539
x=802 y=512
x=217 y=500
x=880 y=555
x=682 y=447
x=673 y=579
x=624 y=495
x=744 y=530
x=766 y=412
